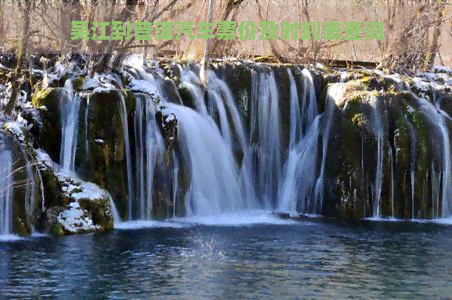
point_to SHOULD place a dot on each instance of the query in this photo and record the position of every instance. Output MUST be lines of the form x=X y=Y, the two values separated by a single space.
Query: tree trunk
x=70 y=11
x=205 y=61
x=26 y=9
x=436 y=34
x=221 y=47
x=2 y=27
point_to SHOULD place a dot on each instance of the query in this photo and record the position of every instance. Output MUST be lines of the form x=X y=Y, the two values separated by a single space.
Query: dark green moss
x=57 y=230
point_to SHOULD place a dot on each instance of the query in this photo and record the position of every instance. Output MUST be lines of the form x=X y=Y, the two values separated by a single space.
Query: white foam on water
x=385 y=219
x=242 y=218
x=148 y=224
x=442 y=221
x=36 y=234
x=10 y=238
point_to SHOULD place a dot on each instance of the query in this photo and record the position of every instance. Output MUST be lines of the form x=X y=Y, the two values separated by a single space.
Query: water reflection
x=260 y=261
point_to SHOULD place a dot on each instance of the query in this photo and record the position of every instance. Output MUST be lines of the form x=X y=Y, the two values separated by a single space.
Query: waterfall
x=86 y=127
x=309 y=108
x=296 y=115
x=224 y=102
x=214 y=187
x=220 y=88
x=125 y=128
x=300 y=190
x=70 y=106
x=447 y=166
x=299 y=173
x=230 y=165
x=140 y=152
x=413 y=164
x=148 y=144
x=224 y=125
x=334 y=93
x=392 y=182
x=378 y=131
x=6 y=189
x=446 y=171
x=193 y=84
x=265 y=129
x=175 y=188
x=441 y=179
x=300 y=166
x=114 y=211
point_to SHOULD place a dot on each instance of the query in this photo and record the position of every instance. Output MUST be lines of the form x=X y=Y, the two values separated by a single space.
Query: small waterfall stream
x=265 y=129
x=441 y=179
x=70 y=106
x=125 y=128
x=299 y=174
x=412 y=165
x=300 y=166
x=6 y=189
x=378 y=130
x=446 y=171
x=334 y=93
x=148 y=145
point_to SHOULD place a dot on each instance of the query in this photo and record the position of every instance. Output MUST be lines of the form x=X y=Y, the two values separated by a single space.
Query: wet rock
x=73 y=206
x=47 y=103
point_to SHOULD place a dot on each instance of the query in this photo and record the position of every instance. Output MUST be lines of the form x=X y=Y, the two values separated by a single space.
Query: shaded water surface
x=260 y=261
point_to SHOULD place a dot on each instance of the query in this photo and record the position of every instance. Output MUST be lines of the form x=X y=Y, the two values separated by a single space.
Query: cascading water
x=265 y=128
x=413 y=165
x=335 y=92
x=193 y=84
x=446 y=172
x=391 y=164
x=378 y=130
x=309 y=107
x=148 y=144
x=228 y=166
x=175 y=189
x=70 y=107
x=300 y=166
x=435 y=192
x=6 y=189
x=296 y=115
x=299 y=173
x=125 y=127
x=224 y=102
x=441 y=179
x=214 y=187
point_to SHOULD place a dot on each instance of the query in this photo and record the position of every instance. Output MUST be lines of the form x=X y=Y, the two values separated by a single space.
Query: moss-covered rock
x=72 y=205
x=47 y=102
x=410 y=139
x=57 y=229
x=101 y=149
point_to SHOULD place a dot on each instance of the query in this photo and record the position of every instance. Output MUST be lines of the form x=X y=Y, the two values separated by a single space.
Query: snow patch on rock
x=143 y=86
x=75 y=217
x=16 y=129
x=76 y=220
x=442 y=69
